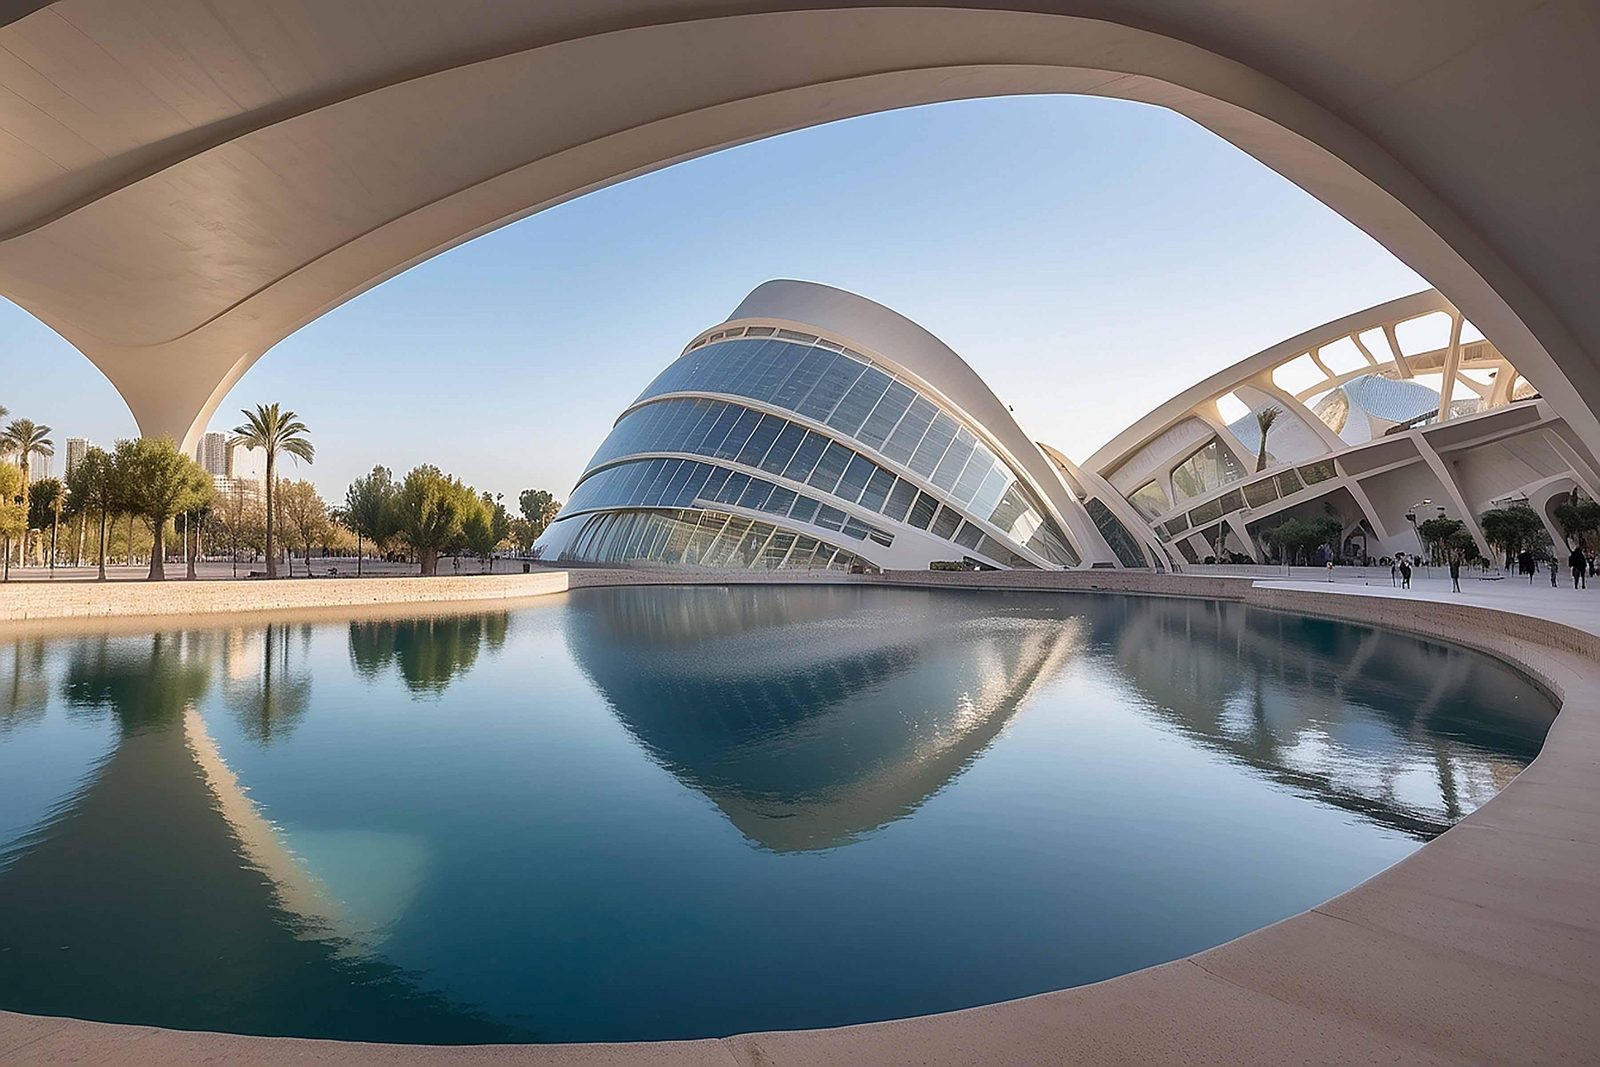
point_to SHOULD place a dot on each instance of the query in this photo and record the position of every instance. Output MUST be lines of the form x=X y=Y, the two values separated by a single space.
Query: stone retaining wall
x=30 y=601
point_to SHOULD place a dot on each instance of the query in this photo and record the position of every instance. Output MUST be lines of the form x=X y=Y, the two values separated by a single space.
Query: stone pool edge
x=1484 y=944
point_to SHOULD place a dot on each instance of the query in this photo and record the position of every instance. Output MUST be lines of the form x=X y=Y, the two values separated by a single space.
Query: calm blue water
x=674 y=812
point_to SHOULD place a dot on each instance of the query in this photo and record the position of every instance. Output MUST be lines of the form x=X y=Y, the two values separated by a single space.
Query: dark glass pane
x=805 y=457
x=945 y=523
x=900 y=500
x=782 y=451
x=831 y=466
x=922 y=511
x=877 y=490
x=855 y=478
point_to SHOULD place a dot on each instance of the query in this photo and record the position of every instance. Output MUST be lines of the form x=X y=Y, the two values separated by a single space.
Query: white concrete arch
x=185 y=187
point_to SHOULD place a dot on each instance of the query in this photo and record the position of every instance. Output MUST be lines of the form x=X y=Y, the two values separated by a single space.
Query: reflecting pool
x=675 y=812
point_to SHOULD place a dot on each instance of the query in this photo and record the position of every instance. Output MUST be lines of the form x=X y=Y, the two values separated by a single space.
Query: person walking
x=1525 y=564
x=1455 y=572
x=1580 y=568
x=1555 y=571
x=1405 y=572
x=1394 y=572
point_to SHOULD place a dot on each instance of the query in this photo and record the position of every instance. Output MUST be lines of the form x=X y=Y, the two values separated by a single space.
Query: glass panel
x=809 y=366
x=1123 y=546
x=783 y=448
x=990 y=489
x=760 y=440
x=1208 y=468
x=748 y=421
x=922 y=511
x=831 y=466
x=755 y=494
x=830 y=518
x=954 y=461
x=1320 y=471
x=855 y=529
x=805 y=457
x=968 y=536
x=1149 y=500
x=934 y=445
x=780 y=501
x=859 y=401
x=1257 y=494
x=900 y=499
x=855 y=478
x=972 y=477
x=820 y=402
x=804 y=510
x=945 y=523
x=909 y=433
x=875 y=431
x=733 y=488
x=877 y=490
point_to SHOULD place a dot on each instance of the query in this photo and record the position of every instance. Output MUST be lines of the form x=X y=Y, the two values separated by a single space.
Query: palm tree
x=273 y=431
x=1264 y=420
x=27 y=438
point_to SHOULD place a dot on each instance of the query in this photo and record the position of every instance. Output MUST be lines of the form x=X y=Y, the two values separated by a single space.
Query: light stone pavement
x=1482 y=946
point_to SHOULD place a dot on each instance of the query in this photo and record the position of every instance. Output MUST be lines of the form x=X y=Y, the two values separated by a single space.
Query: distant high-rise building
x=38 y=466
x=215 y=454
x=77 y=448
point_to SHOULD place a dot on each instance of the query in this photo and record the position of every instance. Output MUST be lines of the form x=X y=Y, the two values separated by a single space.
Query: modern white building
x=1387 y=417
x=817 y=429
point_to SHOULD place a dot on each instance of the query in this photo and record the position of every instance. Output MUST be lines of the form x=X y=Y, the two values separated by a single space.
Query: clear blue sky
x=1088 y=257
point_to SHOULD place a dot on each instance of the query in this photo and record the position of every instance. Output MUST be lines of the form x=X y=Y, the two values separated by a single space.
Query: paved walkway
x=1579 y=608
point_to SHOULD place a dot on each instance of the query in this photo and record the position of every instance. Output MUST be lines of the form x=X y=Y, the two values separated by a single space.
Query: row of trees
x=425 y=515
x=436 y=514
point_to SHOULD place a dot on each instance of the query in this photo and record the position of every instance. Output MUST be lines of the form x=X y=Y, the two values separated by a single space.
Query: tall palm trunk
x=272 y=560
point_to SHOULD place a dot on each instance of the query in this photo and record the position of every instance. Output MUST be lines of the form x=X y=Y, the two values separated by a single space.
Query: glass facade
x=819 y=440
x=691 y=538
x=1211 y=467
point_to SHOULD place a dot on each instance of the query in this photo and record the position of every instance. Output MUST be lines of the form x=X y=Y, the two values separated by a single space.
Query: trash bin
x=527 y=568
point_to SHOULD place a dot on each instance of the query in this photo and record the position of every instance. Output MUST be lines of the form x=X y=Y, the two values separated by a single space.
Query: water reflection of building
x=811 y=717
x=1407 y=733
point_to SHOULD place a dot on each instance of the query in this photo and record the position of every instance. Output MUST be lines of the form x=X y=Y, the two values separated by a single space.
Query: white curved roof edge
x=889 y=337
x=1120 y=447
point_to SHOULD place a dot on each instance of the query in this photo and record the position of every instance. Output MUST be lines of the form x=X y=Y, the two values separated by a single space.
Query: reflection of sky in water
x=668 y=812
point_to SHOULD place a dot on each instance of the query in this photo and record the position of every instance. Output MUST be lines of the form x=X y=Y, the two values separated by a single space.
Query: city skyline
x=1071 y=211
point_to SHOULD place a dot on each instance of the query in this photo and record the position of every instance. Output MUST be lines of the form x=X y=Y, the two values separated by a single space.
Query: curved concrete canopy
x=184 y=187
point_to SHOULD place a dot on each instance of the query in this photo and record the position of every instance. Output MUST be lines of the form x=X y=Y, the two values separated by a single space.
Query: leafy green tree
x=94 y=486
x=431 y=507
x=158 y=483
x=1577 y=517
x=539 y=509
x=26 y=438
x=1264 y=421
x=522 y=534
x=1447 y=539
x=1511 y=529
x=485 y=527
x=237 y=516
x=369 y=509
x=273 y=431
x=13 y=514
x=44 y=498
x=304 y=514
x=1299 y=538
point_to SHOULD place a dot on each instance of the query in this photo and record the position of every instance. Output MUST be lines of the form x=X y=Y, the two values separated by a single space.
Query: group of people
x=1579 y=562
x=1400 y=571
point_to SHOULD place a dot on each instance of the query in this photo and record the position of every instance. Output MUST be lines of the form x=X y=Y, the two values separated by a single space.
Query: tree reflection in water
x=429 y=653
x=268 y=685
x=141 y=905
